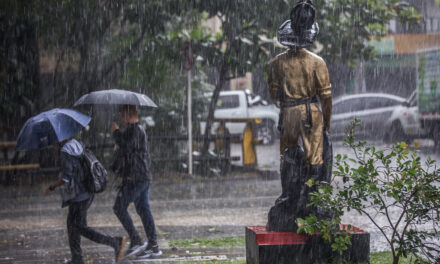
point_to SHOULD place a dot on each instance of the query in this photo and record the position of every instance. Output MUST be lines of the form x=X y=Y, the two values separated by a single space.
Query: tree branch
x=124 y=55
x=380 y=228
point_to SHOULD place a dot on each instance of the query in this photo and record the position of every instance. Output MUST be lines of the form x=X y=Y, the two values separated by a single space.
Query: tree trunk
x=213 y=104
x=33 y=60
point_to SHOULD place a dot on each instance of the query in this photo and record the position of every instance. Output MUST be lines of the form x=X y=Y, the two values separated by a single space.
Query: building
x=394 y=70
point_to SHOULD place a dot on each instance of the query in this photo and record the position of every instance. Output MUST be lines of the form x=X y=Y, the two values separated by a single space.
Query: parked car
x=375 y=110
x=404 y=123
x=242 y=105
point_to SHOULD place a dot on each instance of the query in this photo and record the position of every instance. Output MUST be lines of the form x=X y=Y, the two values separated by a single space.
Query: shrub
x=392 y=188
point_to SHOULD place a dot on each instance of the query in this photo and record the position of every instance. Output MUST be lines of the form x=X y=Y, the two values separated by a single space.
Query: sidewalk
x=32 y=227
x=50 y=245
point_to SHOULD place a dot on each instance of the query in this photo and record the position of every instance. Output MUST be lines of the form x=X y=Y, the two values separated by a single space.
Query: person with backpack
x=78 y=197
x=133 y=166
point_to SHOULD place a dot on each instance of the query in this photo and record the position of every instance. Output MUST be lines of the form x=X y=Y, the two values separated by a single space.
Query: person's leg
x=125 y=196
x=77 y=227
x=142 y=204
x=74 y=217
x=89 y=232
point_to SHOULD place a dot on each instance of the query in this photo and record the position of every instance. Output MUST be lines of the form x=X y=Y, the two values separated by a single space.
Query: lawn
x=375 y=257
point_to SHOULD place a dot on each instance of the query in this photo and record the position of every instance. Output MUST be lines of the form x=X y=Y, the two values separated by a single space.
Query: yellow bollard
x=248 y=146
x=222 y=145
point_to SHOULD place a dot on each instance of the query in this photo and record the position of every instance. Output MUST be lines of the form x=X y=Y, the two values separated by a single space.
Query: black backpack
x=95 y=175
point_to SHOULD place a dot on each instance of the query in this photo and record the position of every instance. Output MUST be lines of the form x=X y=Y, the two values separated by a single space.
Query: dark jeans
x=77 y=227
x=137 y=192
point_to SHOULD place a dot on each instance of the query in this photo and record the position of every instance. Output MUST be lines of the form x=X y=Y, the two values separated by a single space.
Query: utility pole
x=187 y=66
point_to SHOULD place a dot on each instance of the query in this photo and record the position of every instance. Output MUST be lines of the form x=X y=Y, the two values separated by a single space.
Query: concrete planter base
x=265 y=247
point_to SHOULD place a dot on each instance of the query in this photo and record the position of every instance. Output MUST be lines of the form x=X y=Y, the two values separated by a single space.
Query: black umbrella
x=115 y=97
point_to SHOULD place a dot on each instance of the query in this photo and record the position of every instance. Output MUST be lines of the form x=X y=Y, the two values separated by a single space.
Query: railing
x=35 y=169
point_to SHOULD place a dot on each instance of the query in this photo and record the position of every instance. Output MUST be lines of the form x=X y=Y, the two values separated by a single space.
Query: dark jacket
x=72 y=173
x=133 y=157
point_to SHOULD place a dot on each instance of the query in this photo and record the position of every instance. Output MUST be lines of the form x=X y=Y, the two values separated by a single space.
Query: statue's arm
x=273 y=81
x=326 y=104
x=325 y=93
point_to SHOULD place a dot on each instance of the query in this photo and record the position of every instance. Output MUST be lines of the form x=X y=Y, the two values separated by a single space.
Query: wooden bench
x=20 y=167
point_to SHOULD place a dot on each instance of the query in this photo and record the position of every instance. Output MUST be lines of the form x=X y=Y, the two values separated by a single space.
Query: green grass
x=375 y=257
x=387 y=258
x=209 y=242
x=218 y=261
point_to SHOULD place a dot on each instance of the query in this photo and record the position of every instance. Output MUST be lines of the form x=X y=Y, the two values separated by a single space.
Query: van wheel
x=265 y=132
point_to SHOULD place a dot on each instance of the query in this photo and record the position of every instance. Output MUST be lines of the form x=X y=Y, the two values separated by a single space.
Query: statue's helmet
x=301 y=30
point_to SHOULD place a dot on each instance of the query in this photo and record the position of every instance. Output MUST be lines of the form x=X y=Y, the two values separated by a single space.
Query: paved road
x=32 y=228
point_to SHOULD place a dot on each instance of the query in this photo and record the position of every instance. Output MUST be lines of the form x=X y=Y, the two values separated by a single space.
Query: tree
x=398 y=193
x=19 y=65
x=240 y=46
x=347 y=25
x=94 y=41
x=248 y=28
x=96 y=38
x=91 y=41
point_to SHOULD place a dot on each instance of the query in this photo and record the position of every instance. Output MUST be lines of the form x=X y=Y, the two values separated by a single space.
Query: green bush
x=393 y=184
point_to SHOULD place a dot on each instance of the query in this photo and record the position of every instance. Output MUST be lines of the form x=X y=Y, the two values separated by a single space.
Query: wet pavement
x=32 y=227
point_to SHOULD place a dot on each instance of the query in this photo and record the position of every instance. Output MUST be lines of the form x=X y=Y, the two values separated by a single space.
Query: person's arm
x=118 y=136
x=53 y=186
x=141 y=137
x=116 y=133
x=322 y=79
x=65 y=175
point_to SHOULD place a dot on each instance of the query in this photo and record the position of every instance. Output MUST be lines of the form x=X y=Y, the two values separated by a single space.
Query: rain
x=175 y=103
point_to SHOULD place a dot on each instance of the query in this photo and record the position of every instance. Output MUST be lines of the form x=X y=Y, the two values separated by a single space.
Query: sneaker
x=120 y=249
x=135 y=249
x=150 y=252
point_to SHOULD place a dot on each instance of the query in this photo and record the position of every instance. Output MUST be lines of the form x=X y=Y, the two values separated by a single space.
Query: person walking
x=133 y=166
x=78 y=199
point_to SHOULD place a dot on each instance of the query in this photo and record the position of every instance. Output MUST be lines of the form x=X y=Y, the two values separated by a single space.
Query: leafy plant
x=398 y=193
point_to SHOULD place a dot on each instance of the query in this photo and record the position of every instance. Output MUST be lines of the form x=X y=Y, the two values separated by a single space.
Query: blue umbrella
x=50 y=127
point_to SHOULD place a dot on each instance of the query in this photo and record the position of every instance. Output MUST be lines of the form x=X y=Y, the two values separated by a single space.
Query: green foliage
x=19 y=65
x=392 y=188
x=136 y=44
x=346 y=25
x=246 y=39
